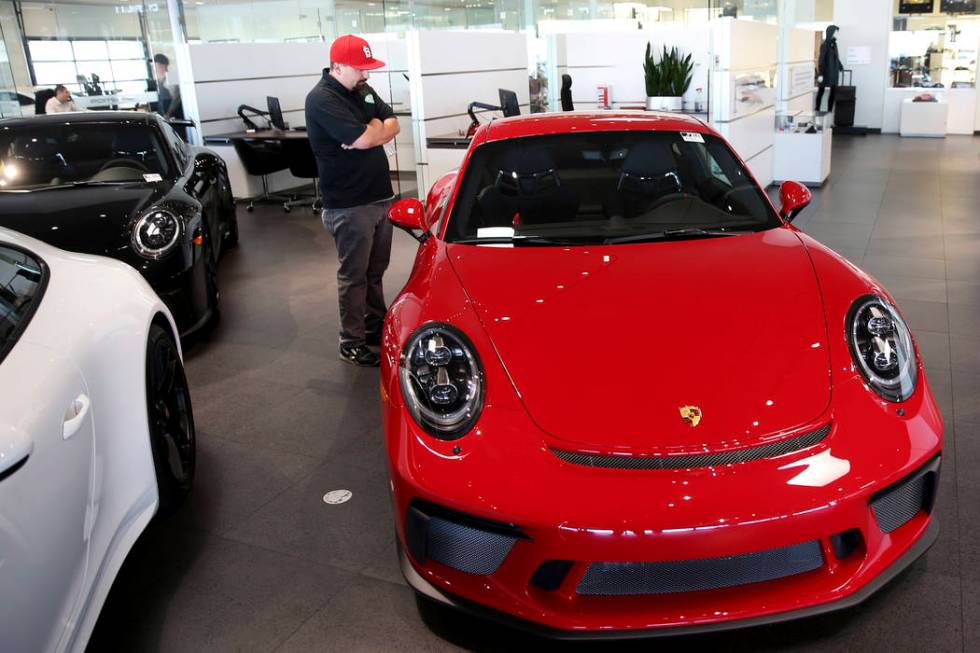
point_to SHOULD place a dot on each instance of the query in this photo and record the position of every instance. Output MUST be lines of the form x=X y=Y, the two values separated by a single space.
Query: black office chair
x=302 y=164
x=261 y=158
x=566 y=93
x=41 y=100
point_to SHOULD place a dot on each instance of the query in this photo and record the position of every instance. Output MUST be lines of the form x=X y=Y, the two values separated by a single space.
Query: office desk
x=258 y=135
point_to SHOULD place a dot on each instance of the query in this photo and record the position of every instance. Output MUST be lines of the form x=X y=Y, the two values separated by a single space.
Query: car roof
x=539 y=124
x=80 y=117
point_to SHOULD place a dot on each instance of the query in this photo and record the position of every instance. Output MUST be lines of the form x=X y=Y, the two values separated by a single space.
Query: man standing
x=348 y=124
x=61 y=102
x=168 y=91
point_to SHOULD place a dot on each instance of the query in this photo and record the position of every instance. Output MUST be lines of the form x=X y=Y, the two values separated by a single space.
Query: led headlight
x=441 y=380
x=155 y=233
x=881 y=346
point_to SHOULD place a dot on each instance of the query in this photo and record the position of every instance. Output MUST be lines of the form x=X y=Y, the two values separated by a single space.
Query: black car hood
x=93 y=220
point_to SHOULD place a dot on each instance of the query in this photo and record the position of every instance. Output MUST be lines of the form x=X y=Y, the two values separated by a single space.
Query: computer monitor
x=508 y=103
x=275 y=113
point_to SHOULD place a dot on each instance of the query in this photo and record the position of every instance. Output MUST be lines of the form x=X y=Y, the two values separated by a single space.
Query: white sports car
x=96 y=434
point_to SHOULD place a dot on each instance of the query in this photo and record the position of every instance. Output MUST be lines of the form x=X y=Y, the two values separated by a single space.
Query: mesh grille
x=697 y=460
x=899 y=505
x=465 y=548
x=637 y=578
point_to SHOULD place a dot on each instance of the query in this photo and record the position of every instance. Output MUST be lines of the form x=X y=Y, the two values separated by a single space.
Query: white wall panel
x=448 y=95
x=447 y=51
x=866 y=24
x=744 y=44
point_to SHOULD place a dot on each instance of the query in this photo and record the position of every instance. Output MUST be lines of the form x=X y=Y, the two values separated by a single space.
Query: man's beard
x=361 y=84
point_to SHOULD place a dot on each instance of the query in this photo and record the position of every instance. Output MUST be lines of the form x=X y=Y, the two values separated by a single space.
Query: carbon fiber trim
x=769 y=450
x=895 y=508
x=641 y=578
x=465 y=548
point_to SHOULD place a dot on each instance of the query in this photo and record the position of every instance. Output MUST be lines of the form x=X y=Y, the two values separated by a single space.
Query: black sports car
x=123 y=184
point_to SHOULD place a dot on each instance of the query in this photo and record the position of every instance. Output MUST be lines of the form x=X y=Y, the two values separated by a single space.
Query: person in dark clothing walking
x=829 y=67
x=348 y=125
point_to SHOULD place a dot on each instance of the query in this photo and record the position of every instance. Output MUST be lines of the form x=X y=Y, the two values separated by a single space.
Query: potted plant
x=666 y=80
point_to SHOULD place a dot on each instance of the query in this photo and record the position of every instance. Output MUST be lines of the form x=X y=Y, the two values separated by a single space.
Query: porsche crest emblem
x=691 y=415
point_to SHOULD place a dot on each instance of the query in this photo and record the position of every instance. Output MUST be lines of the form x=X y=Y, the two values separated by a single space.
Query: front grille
x=894 y=507
x=639 y=578
x=769 y=450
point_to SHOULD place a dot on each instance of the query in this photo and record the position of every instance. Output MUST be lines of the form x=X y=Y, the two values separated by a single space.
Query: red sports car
x=624 y=396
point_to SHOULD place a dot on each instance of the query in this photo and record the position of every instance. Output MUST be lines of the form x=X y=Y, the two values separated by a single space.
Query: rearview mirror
x=409 y=215
x=793 y=196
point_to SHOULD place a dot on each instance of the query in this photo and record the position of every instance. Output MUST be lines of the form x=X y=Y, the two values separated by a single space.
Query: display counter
x=926 y=119
x=963 y=110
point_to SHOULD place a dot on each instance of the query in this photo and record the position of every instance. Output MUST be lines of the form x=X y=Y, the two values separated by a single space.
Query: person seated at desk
x=61 y=102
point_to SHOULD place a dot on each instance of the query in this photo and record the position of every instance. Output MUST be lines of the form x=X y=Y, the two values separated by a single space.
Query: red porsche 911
x=623 y=396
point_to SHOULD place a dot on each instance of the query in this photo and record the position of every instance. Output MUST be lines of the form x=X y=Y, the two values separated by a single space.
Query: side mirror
x=793 y=196
x=409 y=215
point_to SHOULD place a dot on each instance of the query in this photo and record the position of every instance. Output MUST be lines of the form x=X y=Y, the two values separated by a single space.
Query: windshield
x=57 y=154
x=606 y=187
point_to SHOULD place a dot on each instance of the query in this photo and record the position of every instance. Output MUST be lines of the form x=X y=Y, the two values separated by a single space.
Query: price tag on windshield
x=152 y=177
x=692 y=137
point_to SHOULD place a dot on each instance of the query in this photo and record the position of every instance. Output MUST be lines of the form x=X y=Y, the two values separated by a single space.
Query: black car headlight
x=881 y=345
x=441 y=380
x=155 y=233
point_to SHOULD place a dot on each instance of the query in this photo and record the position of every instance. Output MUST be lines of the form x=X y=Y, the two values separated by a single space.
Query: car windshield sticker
x=152 y=177
x=692 y=137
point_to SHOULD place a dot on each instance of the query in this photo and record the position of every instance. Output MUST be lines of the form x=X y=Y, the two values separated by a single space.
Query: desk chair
x=261 y=158
x=41 y=100
x=302 y=164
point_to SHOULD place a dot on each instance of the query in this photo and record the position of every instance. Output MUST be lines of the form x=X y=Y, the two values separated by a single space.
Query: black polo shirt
x=335 y=115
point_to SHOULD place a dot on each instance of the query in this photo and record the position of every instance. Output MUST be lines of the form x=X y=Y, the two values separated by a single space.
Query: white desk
x=926 y=119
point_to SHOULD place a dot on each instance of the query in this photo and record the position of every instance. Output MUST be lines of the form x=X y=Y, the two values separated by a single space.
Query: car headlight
x=881 y=346
x=441 y=380
x=155 y=233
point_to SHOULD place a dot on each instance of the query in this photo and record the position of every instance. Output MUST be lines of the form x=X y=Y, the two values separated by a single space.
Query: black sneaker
x=359 y=355
x=372 y=339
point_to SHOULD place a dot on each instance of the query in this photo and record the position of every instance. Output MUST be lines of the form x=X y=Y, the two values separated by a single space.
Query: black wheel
x=211 y=282
x=250 y=207
x=231 y=238
x=287 y=208
x=171 y=420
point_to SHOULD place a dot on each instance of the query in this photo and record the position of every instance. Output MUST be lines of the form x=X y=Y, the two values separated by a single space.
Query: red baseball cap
x=354 y=52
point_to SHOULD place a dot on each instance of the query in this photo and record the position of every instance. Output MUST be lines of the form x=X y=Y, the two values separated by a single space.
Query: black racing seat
x=649 y=178
x=527 y=185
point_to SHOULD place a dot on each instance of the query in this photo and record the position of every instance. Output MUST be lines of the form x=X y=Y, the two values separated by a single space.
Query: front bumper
x=581 y=516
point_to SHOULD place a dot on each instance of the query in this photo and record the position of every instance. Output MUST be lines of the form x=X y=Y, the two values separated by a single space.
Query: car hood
x=605 y=345
x=92 y=220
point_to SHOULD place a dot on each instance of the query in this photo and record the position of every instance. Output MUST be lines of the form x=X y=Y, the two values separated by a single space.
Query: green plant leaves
x=671 y=76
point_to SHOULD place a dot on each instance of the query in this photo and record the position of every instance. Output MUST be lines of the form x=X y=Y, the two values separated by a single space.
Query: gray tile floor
x=256 y=561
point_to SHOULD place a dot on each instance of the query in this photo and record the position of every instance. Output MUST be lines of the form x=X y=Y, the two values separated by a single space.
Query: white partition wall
x=448 y=70
x=223 y=76
x=616 y=59
x=743 y=96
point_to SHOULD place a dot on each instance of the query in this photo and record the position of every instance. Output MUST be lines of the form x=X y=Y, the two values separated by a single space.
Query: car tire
x=170 y=420
x=231 y=238
x=211 y=284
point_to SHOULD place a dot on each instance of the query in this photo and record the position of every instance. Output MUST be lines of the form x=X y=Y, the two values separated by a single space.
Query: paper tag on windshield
x=152 y=177
x=692 y=137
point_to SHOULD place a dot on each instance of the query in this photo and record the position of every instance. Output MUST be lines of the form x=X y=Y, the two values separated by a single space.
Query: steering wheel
x=124 y=163
x=724 y=197
x=665 y=199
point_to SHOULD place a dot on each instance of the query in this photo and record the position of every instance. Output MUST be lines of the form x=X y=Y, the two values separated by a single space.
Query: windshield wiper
x=676 y=234
x=514 y=240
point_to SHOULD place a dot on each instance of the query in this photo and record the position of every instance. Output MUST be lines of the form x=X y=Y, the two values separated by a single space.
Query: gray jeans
x=363 y=237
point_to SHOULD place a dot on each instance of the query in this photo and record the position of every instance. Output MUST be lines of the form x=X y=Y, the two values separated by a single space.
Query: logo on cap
x=367 y=52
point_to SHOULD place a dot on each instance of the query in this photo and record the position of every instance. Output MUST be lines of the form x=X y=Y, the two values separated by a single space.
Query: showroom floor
x=257 y=561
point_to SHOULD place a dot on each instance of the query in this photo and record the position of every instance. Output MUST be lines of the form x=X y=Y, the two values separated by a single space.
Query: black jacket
x=829 y=63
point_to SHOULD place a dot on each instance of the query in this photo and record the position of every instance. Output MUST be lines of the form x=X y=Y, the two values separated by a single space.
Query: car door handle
x=75 y=415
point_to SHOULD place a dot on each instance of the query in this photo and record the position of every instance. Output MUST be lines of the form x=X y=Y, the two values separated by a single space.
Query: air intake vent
x=639 y=578
x=769 y=450
x=896 y=505
x=465 y=543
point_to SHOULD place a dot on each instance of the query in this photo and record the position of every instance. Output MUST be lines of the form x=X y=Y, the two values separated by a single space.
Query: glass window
x=50 y=74
x=603 y=186
x=90 y=50
x=125 y=50
x=38 y=157
x=22 y=279
x=50 y=50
